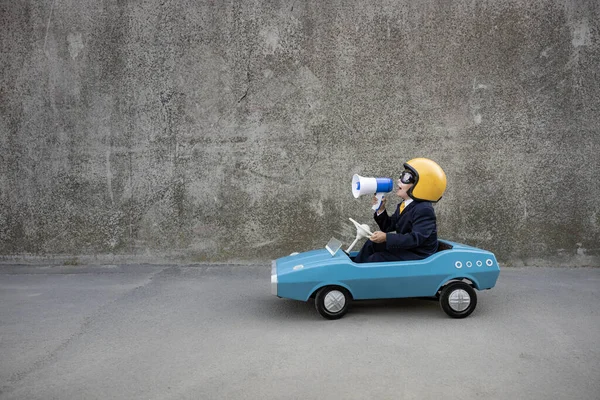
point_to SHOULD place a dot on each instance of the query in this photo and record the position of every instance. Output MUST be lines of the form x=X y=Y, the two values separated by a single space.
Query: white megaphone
x=376 y=186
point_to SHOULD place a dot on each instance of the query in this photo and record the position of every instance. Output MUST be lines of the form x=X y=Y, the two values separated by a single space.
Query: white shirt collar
x=407 y=202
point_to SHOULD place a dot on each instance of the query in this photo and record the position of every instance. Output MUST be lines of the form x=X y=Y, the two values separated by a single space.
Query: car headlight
x=274 y=277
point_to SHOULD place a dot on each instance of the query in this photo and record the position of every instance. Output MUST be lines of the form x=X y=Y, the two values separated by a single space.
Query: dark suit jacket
x=416 y=230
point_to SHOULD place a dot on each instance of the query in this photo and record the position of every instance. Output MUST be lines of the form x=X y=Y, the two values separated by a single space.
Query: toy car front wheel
x=458 y=300
x=332 y=302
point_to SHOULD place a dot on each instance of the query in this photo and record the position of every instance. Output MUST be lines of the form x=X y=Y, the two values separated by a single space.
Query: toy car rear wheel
x=458 y=299
x=332 y=302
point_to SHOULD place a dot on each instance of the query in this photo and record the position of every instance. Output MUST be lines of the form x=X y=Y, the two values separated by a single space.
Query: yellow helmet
x=430 y=179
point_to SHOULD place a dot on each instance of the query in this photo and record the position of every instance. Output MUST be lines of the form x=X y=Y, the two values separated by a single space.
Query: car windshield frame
x=333 y=246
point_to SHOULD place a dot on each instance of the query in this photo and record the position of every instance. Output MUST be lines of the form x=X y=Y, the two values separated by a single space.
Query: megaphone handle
x=380 y=197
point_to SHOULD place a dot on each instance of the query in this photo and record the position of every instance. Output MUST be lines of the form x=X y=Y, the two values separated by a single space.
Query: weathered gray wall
x=229 y=130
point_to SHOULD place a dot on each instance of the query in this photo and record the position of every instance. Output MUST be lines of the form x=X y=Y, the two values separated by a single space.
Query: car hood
x=307 y=260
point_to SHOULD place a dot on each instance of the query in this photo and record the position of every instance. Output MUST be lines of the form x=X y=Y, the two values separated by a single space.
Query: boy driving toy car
x=411 y=232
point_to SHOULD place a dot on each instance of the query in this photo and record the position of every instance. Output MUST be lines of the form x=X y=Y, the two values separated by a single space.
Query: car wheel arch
x=469 y=280
x=320 y=286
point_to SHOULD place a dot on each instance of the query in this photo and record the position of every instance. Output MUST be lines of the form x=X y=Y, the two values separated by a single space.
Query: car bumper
x=274 y=277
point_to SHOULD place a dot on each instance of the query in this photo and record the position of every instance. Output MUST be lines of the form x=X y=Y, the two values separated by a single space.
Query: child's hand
x=383 y=201
x=378 y=237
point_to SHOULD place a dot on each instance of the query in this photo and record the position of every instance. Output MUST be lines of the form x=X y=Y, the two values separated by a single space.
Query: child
x=411 y=232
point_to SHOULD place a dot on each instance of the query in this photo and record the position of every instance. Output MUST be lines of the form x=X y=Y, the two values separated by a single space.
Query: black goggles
x=407 y=177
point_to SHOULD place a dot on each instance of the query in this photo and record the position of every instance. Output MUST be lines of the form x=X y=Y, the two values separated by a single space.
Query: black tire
x=337 y=304
x=454 y=306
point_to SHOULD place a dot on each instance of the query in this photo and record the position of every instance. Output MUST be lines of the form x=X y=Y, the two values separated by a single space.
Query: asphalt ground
x=216 y=332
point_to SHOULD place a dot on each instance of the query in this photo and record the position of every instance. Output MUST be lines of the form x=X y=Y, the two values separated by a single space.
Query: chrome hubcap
x=334 y=301
x=459 y=300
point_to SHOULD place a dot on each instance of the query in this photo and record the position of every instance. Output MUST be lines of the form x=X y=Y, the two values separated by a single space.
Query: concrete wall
x=229 y=130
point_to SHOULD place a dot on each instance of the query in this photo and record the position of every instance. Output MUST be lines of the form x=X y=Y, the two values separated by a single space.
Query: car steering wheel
x=362 y=231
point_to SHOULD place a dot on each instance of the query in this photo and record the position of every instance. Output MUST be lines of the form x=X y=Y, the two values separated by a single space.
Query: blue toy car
x=331 y=277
